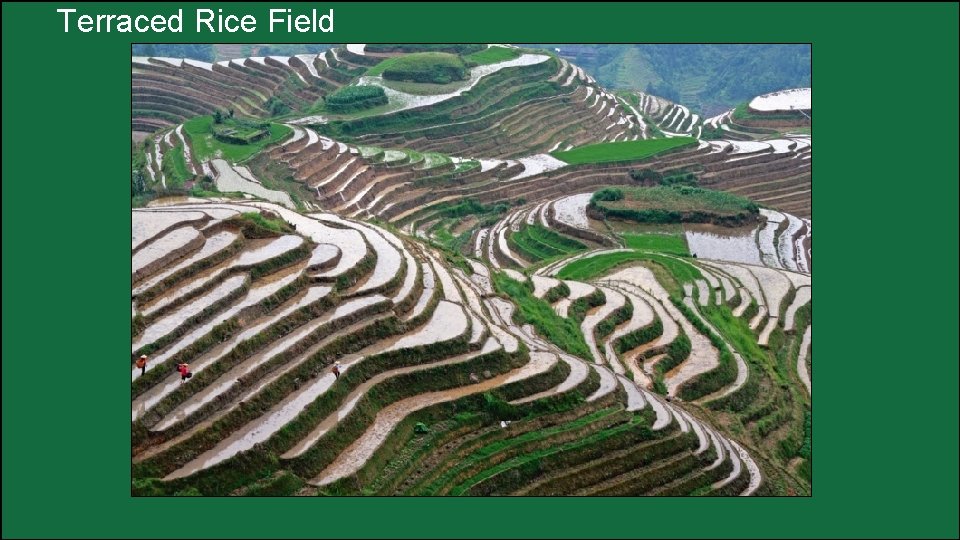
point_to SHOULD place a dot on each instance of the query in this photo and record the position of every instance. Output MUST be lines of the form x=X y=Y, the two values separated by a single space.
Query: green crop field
x=564 y=333
x=493 y=55
x=205 y=146
x=538 y=243
x=622 y=151
x=665 y=243
x=591 y=267
x=175 y=167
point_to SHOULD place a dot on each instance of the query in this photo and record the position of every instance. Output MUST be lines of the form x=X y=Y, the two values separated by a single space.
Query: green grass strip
x=527 y=458
x=496 y=447
x=621 y=151
x=564 y=333
x=590 y=267
x=664 y=243
x=493 y=55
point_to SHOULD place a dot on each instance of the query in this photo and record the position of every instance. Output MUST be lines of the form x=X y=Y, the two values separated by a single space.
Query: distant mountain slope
x=196 y=51
x=707 y=78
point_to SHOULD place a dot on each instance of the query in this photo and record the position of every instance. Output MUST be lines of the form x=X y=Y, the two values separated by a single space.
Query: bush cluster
x=355 y=98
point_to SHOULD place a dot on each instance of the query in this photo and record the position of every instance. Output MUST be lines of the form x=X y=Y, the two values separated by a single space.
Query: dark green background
x=886 y=211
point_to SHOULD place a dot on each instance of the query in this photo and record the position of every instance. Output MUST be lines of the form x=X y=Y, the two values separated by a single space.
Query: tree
x=137 y=183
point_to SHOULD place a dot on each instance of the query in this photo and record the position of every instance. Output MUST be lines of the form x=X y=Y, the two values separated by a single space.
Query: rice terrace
x=531 y=282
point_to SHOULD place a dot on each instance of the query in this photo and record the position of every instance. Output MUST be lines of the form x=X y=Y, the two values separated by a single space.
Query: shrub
x=256 y=225
x=431 y=67
x=276 y=107
x=676 y=204
x=354 y=98
x=608 y=194
x=646 y=175
x=680 y=179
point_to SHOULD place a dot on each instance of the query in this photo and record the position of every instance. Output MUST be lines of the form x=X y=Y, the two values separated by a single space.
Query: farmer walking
x=142 y=364
x=336 y=370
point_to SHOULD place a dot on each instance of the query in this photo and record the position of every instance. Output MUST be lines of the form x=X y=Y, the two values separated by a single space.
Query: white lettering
x=85 y=20
x=229 y=23
x=136 y=23
x=66 y=18
x=328 y=19
x=274 y=20
x=123 y=24
x=176 y=22
x=208 y=13
x=303 y=23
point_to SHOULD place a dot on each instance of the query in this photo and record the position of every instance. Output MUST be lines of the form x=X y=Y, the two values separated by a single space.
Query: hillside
x=528 y=284
x=704 y=77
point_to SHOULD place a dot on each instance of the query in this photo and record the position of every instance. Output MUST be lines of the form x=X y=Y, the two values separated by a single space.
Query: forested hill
x=705 y=78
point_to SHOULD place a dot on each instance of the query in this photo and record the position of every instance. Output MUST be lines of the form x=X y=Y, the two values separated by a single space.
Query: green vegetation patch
x=538 y=243
x=535 y=457
x=650 y=176
x=434 y=159
x=492 y=55
x=456 y=48
x=674 y=204
x=355 y=98
x=175 y=167
x=205 y=145
x=257 y=225
x=674 y=244
x=240 y=134
x=590 y=267
x=427 y=67
x=485 y=453
x=622 y=151
x=564 y=333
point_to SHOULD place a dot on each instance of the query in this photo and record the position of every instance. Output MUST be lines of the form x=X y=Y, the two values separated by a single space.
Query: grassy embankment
x=622 y=151
x=564 y=333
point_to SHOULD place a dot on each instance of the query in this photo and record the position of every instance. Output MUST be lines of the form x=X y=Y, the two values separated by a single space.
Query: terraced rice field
x=416 y=300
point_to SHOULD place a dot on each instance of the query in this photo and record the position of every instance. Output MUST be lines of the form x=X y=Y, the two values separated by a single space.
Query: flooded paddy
x=722 y=243
x=169 y=247
x=167 y=324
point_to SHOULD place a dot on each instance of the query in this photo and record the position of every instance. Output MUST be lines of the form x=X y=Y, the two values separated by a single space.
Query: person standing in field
x=336 y=370
x=184 y=370
x=142 y=364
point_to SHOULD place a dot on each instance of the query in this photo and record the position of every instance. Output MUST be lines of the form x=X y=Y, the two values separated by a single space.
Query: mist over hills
x=707 y=78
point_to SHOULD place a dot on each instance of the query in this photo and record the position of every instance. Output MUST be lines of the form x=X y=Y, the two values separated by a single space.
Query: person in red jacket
x=142 y=364
x=184 y=370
